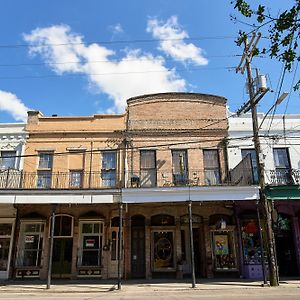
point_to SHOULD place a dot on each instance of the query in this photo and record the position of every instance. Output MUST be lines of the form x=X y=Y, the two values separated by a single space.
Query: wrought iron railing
x=283 y=176
x=14 y=179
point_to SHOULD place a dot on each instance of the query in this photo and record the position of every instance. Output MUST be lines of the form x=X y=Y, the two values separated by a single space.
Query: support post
x=192 y=244
x=120 y=245
x=269 y=240
x=51 y=250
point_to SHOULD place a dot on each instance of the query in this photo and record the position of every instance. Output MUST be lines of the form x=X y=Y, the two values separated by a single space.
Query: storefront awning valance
x=287 y=192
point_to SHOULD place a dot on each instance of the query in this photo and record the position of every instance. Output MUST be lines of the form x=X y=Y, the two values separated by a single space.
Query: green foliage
x=283 y=31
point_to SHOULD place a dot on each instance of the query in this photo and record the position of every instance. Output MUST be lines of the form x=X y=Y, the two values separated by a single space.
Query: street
x=165 y=290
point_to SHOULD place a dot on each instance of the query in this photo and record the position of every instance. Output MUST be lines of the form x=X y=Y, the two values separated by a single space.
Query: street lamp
x=277 y=102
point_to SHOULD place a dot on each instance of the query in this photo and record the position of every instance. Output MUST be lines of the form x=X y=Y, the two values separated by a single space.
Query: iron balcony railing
x=283 y=176
x=14 y=179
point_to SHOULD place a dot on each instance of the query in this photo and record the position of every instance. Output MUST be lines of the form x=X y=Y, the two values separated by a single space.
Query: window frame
x=72 y=172
x=210 y=169
x=146 y=170
x=21 y=243
x=100 y=235
x=184 y=177
x=2 y=166
x=107 y=171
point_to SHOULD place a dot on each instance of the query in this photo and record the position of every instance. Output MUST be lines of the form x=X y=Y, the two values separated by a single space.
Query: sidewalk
x=93 y=286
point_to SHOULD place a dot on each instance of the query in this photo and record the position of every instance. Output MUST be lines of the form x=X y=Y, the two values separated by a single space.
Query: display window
x=224 y=250
x=5 y=238
x=91 y=242
x=250 y=242
x=30 y=244
x=163 y=252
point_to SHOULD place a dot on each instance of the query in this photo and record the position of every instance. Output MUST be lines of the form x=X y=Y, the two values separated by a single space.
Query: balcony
x=283 y=177
x=47 y=180
x=15 y=179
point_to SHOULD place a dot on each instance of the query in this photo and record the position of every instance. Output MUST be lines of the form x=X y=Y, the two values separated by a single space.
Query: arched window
x=162 y=220
x=63 y=226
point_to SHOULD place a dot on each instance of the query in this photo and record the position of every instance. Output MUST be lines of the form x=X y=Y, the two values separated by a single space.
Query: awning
x=283 y=192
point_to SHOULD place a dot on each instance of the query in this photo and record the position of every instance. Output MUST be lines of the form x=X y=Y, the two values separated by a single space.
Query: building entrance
x=62 y=247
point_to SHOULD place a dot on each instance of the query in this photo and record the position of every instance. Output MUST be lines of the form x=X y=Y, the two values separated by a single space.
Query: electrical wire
x=118 y=42
x=114 y=73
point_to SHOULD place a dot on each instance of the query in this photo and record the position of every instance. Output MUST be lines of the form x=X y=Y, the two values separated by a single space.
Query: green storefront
x=286 y=227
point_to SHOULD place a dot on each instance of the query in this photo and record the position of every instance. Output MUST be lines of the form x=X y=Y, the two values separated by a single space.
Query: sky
x=88 y=57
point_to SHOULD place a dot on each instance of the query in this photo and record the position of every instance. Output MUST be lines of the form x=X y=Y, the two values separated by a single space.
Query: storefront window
x=163 y=250
x=91 y=243
x=5 y=236
x=31 y=244
x=223 y=249
x=251 y=242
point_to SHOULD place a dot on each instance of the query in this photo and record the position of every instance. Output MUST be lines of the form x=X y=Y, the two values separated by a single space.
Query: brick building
x=165 y=152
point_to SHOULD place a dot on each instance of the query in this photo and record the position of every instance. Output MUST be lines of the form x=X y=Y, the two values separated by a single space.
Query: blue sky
x=80 y=57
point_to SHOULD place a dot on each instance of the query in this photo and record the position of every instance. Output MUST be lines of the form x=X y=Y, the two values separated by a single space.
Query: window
x=63 y=226
x=180 y=170
x=45 y=160
x=223 y=250
x=7 y=159
x=30 y=244
x=109 y=159
x=148 y=168
x=5 y=238
x=115 y=226
x=282 y=165
x=90 y=252
x=163 y=250
x=76 y=179
x=211 y=167
x=45 y=170
x=250 y=241
x=252 y=154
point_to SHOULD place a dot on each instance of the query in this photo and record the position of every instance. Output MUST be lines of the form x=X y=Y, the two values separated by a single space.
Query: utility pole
x=266 y=207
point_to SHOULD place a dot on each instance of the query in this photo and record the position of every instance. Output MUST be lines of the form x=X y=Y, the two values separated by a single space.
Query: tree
x=283 y=31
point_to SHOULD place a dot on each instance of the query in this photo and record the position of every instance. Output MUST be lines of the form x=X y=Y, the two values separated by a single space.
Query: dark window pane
x=211 y=167
x=281 y=158
x=7 y=159
x=4 y=250
x=108 y=160
x=76 y=179
x=46 y=160
x=148 y=159
x=44 y=179
x=5 y=229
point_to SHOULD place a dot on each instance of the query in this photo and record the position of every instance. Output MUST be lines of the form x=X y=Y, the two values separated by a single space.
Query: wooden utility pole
x=266 y=207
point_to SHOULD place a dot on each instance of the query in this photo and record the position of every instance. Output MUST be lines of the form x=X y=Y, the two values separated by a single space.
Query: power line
x=114 y=73
x=119 y=42
x=111 y=61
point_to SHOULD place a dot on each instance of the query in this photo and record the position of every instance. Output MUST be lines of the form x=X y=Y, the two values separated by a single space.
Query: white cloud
x=134 y=74
x=11 y=104
x=115 y=29
x=171 y=37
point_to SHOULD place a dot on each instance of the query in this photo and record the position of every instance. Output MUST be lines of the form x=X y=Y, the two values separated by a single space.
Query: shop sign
x=89 y=243
x=29 y=239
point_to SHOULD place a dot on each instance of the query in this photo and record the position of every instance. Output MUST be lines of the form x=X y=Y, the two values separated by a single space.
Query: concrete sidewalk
x=92 y=286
